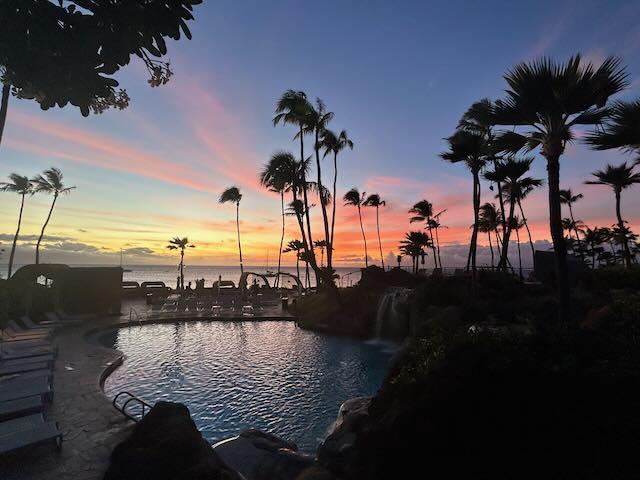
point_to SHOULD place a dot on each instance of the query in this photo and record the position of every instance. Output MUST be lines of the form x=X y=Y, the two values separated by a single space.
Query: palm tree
x=552 y=99
x=23 y=187
x=470 y=148
x=232 y=194
x=435 y=225
x=489 y=220
x=293 y=108
x=423 y=212
x=321 y=244
x=413 y=246
x=316 y=125
x=517 y=224
x=295 y=246
x=374 y=200
x=50 y=182
x=354 y=198
x=279 y=175
x=618 y=178
x=520 y=190
x=333 y=143
x=593 y=238
x=177 y=243
x=568 y=198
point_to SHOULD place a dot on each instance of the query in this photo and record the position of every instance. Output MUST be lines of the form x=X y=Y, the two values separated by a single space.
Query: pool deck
x=90 y=425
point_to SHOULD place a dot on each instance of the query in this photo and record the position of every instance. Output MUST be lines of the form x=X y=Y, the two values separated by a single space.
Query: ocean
x=169 y=273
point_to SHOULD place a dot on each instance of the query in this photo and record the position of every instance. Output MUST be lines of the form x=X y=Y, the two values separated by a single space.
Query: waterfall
x=392 y=317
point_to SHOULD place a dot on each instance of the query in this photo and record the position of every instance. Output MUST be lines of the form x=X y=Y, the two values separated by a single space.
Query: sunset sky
x=398 y=75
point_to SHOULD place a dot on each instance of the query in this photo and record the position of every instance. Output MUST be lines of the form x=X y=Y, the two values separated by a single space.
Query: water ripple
x=267 y=375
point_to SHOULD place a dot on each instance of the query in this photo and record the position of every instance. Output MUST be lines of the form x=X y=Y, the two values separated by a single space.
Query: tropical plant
x=470 y=148
x=423 y=212
x=22 y=186
x=280 y=175
x=568 y=198
x=177 y=243
x=374 y=200
x=413 y=246
x=554 y=98
x=68 y=51
x=355 y=199
x=618 y=178
x=233 y=195
x=435 y=225
x=322 y=245
x=516 y=225
x=295 y=246
x=49 y=182
x=593 y=239
x=489 y=221
x=333 y=143
x=515 y=191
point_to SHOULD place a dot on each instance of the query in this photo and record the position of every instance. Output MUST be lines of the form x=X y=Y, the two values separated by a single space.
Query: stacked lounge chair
x=27 y=358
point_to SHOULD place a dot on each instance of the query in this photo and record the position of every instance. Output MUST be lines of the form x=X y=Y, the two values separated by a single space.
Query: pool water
x=272 y=376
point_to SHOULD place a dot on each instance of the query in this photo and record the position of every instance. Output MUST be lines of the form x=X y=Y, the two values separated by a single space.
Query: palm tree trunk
x=519 y=254
x=281 y=237
x=433 y=246
x=4 y=106
x=476 y=214
x=575 y=229
x=323 y=205
x=15 y=238
x=298 y=264
x=438 y=248
x=238 y=228
x=379 y=240
x=364 y=237
x=46 y=222
x=309 y=247
x=182 y=270
x=507 y=234
x=333 y=214
x=491 y=247
x=557 y=234
x=621 y=227
x=526 y=225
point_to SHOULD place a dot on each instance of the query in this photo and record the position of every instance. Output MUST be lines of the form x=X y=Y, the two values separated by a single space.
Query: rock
x=338 y=448
x=257 y=455
x=166 y=445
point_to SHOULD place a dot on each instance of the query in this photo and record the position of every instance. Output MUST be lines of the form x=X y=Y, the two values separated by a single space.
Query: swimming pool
x=268 y=375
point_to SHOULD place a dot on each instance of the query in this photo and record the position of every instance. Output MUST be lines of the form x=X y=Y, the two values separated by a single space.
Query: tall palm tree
x=177 y=243
x=232 y=194
x=293 y=108
x=517 y=224
x=423 y=212
x=317 y=122
x=23 y=187
x=321 y=244
x=618 y=178
x=413 y=246
x=471 y=149
x=333 y=143
x=435 y=225
x=279 y=175
x=552 y=99
x=355 y=199
x=50 y=182
x=489 y=220
x=374 y=200
x=568 y=198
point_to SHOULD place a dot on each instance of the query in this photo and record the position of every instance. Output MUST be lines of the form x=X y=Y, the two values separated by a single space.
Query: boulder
x=337 y=449
x=257 y=455
x=166 y=445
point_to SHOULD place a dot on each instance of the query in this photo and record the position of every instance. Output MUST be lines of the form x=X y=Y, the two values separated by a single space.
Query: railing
x=143 y=406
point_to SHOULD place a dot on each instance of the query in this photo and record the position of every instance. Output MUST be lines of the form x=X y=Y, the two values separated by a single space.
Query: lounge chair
x=31 y=435
x=43 y=372
x=17 y=383
x=31 y=326
x=40 y=388
x=21 y=406
x=11 y=362
x=13 y=351
x=7 y=343
x=23 y=367
x=13 y=332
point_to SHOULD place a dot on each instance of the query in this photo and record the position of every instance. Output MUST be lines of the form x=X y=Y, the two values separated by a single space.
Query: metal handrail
x=132 y=398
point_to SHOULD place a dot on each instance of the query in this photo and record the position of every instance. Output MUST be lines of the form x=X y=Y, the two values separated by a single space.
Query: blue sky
x=398 y=75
